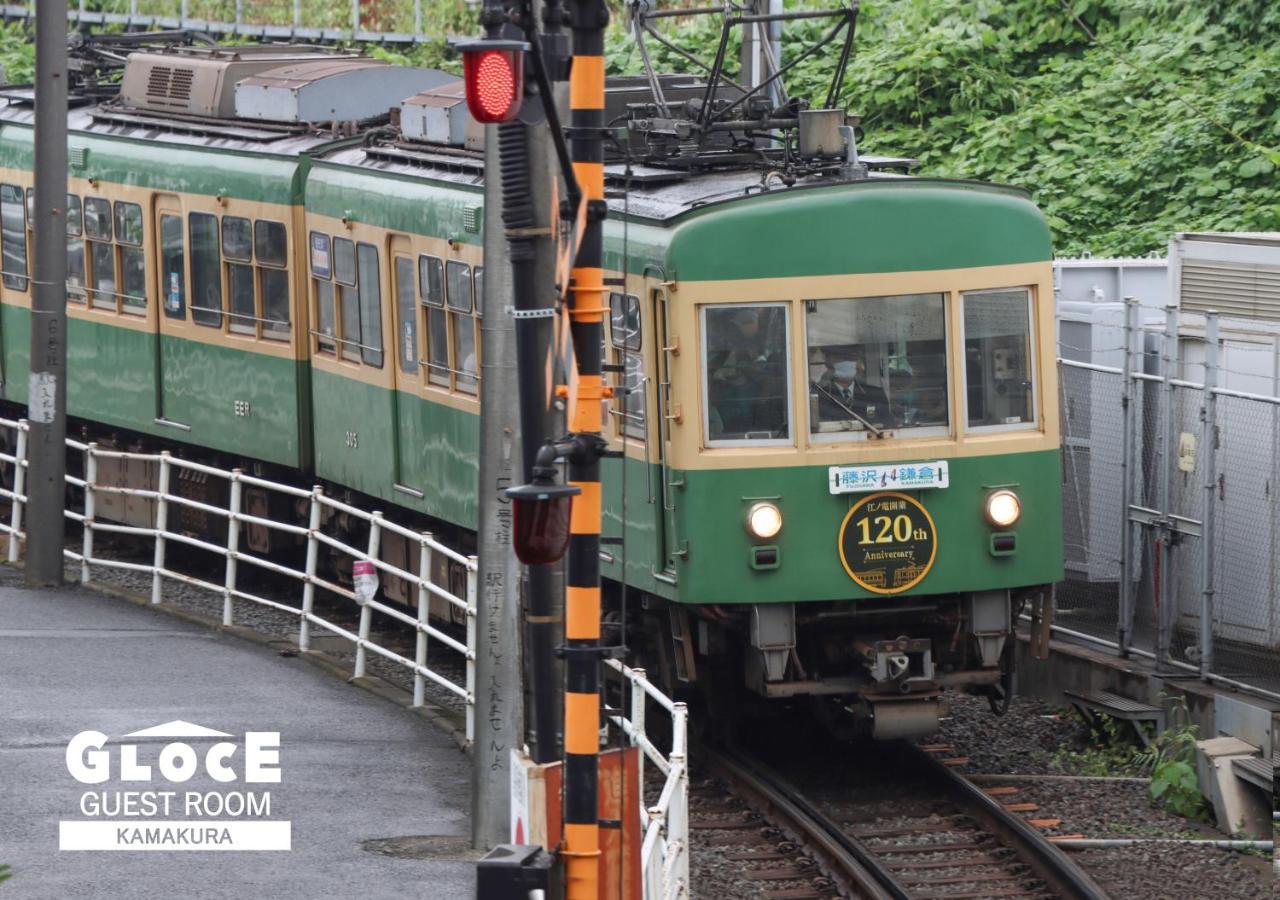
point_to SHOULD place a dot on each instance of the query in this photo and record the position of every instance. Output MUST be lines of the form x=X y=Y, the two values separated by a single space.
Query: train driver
x=848 y=398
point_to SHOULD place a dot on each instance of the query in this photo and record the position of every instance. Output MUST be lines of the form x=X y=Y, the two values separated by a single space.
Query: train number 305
x=352 y=440
x=888 y=530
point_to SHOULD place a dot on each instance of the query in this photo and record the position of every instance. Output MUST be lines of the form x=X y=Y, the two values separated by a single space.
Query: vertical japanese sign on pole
x=47 y=384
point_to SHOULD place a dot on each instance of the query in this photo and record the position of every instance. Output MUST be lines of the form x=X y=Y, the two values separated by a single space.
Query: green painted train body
x=377 y=415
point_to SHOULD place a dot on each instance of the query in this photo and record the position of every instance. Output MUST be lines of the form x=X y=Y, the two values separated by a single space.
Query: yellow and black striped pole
x=581 y=847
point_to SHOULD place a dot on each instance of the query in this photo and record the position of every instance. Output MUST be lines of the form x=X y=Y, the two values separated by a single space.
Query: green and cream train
x=840 y=434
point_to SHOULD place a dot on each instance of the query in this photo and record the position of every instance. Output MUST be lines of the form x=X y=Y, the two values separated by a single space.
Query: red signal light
x=542 y=512
x=493 y=72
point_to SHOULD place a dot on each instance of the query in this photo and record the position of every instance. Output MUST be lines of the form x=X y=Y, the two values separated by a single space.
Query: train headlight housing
x=1003 y=508
x=764 y=520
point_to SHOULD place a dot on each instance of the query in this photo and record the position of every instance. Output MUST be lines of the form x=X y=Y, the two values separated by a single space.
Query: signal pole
x=47 y=390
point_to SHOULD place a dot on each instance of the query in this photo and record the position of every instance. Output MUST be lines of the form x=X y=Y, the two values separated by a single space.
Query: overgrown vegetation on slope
x=1128 y=119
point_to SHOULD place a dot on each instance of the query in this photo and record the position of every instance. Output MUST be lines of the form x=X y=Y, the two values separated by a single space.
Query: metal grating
x=77 y=157
x=158 y=81
x=180 y=86
x=471 y=219
x=1237 y=290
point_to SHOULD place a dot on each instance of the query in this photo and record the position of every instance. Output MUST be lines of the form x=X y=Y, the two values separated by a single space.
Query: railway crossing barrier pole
x=1209 y=459
x=162 y=526
x=581 y=849
x=46 y=385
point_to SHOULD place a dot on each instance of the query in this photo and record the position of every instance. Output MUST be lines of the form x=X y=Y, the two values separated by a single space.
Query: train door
x=171 y=317
x=668 y=541
x=407 y=431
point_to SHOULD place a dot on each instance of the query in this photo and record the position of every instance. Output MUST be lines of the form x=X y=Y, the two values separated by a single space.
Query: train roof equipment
x=270 y=83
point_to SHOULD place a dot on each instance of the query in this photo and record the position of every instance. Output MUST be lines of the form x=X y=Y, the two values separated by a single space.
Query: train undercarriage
x=877 y=667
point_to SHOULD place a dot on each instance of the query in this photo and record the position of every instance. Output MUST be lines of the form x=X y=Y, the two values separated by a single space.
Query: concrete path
x=353 y=768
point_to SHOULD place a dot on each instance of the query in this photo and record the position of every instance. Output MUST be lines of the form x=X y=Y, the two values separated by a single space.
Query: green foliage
x=1127 y=119
x=5 y=873
x=1105 y=753
x=1171 y=761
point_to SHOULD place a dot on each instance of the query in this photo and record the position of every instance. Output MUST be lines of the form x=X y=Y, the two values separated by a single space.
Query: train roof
x=235 y=136
x=645 y=192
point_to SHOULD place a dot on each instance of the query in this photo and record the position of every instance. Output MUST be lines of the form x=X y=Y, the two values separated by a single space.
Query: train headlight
x=1003 y=508
x=764 y=520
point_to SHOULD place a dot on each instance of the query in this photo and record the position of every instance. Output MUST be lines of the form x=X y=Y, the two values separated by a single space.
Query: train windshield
x=747 y=373
x=877 y=363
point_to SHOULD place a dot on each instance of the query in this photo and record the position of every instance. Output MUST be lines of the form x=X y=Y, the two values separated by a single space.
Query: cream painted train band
x=835 y=397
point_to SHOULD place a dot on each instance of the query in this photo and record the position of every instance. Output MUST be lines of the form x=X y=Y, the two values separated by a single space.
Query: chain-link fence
x=1170 y=517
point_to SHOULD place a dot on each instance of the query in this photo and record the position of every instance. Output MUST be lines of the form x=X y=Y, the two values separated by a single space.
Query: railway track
x=942 y=839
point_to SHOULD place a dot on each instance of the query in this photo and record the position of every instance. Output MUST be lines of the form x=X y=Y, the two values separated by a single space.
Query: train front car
x=861 y=463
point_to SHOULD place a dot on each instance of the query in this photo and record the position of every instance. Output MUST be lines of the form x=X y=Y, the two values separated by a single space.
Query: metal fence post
x=233 y=546
x=297 y=13
x=424 y=611
x=162 y=526
x=1124 y=622
x=417 y=19
x=355 y=18
x=309 y=585
x=473 y=566
x=678 y=813
x=366 y=614
x=19 y=492
x=90 y=508
x=1209 y=457
x=638 y=699
x=1165 y=596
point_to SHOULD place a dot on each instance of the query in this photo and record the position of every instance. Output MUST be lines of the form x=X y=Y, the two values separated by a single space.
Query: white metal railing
x=231 y=588
x=178 y=15
x=664 y=853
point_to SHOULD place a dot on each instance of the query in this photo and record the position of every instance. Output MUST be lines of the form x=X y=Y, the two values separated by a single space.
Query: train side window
x=75 y=250
x=624 y=333
x=13 y=235
x=461 y=300
x=406 y=315
x=747 y=363
x=479 y=280
x=999 y=361
x=173 y=267
x=431 y=285
x=133 y=261
x=237 y=252
x=321 y=271
x=271 y=242
x=344 y=273
x=877 y=363
x=102 y=254
x=206 y=270
x=370 y=288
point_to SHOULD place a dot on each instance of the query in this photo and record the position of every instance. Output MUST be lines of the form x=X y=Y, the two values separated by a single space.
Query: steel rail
x=857 y=868
x=1048 y=862
x=841 y=858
